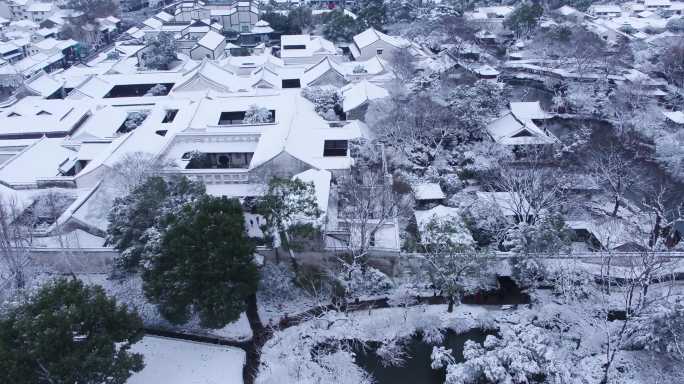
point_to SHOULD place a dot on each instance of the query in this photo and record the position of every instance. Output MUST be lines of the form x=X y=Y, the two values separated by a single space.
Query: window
x=238 y=117
x=335 y=148
x=230 y=118
x=169 y=116
x=523 y=133
x=378 y=51
x=291 y=83
x=294 y=46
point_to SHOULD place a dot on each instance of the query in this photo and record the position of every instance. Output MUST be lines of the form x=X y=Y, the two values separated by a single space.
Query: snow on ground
x=129 y=291
x=287 y=356
x=171 y=361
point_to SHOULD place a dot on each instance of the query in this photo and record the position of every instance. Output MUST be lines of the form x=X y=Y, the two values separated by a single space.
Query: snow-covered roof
x=164 y=16
x=506 y=201
x=43 y=85
x=38 y=161
x=438 y=212
x=605 y=8
x=321 y=181
x=313 y=45
x=566 y=10
x=358 y=94
x=485 y=70
x=208 y=75
x=37 y=62
x=51 y=43
x=508 y=130
x=211 y=40
x=34 y=116
x=676 y=117
x=442 y=213
x=371 y=35
x=262 y=26
x=657 y=3
x=319 y=69
x=153 y=23
x=40 y=7
x=528 y=110
x=428 y=191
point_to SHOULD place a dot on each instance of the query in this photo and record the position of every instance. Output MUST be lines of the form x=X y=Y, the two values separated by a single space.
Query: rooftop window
x=170 y=116
x=333 y=148
x=199 y=160
x=294 y=46
x=246 y=117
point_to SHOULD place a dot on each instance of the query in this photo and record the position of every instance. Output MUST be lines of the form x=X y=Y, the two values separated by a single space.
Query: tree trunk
x=293 y=259
x=617 y=205
x=253 y=315
x=450 y=308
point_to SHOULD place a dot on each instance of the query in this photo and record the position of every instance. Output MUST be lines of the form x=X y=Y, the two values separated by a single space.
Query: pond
x=508 y=293
x=416 y=369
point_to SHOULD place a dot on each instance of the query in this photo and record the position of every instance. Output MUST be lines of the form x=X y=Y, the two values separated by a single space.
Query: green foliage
x=675 y=25
x=144 y=208
x=91 y=9
x=547 y=235
x=204 y=264
x=524 y=18
x=296 y=22
x=69 y=333
x=372 y=14
x=285 y=200
x=160 y=52
x=340 y=27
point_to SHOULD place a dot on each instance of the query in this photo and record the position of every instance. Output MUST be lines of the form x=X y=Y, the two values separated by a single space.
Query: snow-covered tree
x=133 y=121
x=69 y=333
x=160 y=52
x=523 y=354
x=157 y=90
x=524 y=18
x=454 y=267
x=146 y=207
x=670 y=153
x=404 y=64
x=532 y=191
x=16 y=239
x=204 y=264
x=286 y=202
x=257 y=115
x=615 y=173
x=327 y=101
x=484 y=219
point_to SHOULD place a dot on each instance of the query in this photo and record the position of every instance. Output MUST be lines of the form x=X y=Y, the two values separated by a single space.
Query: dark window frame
x=335 y=148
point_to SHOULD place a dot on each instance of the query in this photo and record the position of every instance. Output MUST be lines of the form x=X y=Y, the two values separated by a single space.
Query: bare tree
x=533 y=190
x=454 y=265
x=16 y=238
x=404 y=64
x=614 y=173
x=133 y=169
x=672 y=62
x=629 y=299
x=368 y=200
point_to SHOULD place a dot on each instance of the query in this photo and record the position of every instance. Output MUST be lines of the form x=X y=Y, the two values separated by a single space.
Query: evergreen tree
x=132 y=216
x=284 y=202
x=524 y=18
x=372 y=14
x=340 y=27
x=69 y=333
x=160 y=52
x=204 y=264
